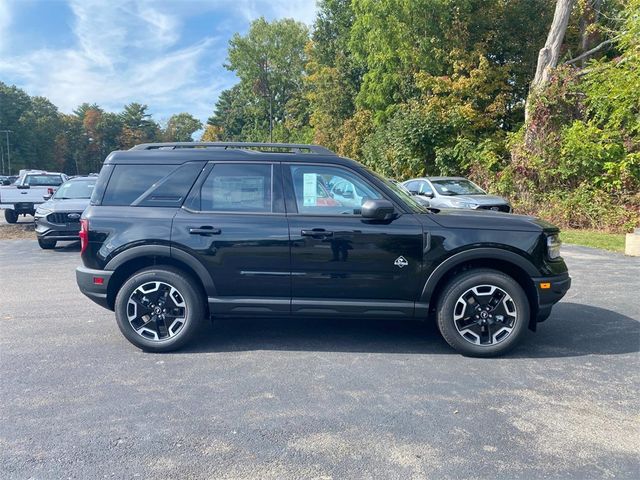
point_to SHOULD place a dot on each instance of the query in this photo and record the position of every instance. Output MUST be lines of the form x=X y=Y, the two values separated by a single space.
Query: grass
x=614 y=242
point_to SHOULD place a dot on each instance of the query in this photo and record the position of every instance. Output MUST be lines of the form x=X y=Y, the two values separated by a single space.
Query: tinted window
x=323 y=190
x=128 y=182
x=43 y=180
x=237 y=187
x=76 y=189
x=101 y=184
x=172 y=189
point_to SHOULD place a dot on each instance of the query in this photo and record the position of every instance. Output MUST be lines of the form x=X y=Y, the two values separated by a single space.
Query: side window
x=412 y=186
x=425 y=188
x=128 y=182
x=172 y=189
x=321 y=190
x=238 y=187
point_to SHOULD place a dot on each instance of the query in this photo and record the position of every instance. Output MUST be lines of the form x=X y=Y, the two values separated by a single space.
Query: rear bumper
x=86 y=279
x=558 y=286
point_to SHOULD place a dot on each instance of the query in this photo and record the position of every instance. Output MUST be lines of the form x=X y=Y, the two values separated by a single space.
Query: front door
x=234 y=223
x=340 y=262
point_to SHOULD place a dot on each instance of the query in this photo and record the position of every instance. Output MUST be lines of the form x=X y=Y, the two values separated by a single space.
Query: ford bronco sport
x=178 y=233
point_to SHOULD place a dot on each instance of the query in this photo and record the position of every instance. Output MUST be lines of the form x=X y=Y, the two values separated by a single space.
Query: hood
x=488 y=220
x=71 y=205
x=479 y=199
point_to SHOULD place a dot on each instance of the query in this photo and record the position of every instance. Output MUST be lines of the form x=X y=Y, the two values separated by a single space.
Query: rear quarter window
x=150 y=185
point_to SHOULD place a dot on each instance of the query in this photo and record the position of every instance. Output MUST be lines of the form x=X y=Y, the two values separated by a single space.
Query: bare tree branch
x=590 y=52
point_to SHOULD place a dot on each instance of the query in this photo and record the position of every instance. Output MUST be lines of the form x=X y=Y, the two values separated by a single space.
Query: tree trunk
x=549 y=54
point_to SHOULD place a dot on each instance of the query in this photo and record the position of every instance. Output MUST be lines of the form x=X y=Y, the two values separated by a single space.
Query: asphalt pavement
x=339 y=399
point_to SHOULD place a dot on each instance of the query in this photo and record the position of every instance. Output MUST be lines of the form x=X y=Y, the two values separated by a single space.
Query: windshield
x=402 y=192
x=457 y=187
x=77 y=189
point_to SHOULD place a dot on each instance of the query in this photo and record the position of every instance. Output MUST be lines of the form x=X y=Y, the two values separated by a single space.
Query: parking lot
x=315 y=399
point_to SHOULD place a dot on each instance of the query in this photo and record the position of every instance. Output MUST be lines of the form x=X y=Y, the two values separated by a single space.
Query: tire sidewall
x=472 y=279
x=192 y=297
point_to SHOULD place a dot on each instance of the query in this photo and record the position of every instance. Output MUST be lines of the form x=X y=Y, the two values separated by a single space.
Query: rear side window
x=239 y=187
x=128 y=182
x=172 y=189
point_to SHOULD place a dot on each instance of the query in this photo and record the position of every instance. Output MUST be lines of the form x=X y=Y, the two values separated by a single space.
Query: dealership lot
x=315 y=399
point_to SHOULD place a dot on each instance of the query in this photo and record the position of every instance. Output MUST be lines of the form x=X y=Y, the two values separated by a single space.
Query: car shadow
x=572 y=330
x=72 y=246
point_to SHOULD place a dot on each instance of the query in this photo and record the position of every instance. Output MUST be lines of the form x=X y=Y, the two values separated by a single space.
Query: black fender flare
x=483 y=253
x=167 y=252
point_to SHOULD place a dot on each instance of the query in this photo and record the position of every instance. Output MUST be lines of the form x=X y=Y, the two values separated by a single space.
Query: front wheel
x=10 y=216
x=159 y=309
x=483 y=313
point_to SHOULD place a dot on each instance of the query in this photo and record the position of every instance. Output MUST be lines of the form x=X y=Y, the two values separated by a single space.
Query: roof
x=182 y=152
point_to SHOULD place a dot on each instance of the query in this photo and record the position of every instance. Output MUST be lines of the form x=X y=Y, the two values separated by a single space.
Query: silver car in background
x=58 y=219
x=454 y=192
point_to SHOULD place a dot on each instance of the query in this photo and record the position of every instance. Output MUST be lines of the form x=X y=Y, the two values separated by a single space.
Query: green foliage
x=269 y=62
x=181 y=127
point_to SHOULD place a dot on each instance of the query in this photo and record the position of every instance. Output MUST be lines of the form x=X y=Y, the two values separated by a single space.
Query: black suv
x=179 y=232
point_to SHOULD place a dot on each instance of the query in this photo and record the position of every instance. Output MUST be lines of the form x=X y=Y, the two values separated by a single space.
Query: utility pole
x=7 y=132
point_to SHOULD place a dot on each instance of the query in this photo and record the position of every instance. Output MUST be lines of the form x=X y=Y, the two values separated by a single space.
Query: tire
x=10 y=216
x=47 y=244
x=184 y=304
x=483 y=313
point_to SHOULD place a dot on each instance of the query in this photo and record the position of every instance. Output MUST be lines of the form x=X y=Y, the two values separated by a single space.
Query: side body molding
x=475 y=254
x=168 y=252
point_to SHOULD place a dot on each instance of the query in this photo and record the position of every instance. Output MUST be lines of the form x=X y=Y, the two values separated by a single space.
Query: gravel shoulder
x=315 y=399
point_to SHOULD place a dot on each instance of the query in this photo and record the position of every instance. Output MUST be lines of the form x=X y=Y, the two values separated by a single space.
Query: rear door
x=234 y=223
x=340 y=262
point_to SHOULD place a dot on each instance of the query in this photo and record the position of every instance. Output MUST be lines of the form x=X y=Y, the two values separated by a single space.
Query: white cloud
x=130 y=50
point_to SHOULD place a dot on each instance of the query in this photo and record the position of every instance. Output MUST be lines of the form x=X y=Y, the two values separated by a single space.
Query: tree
x=550 y=53
x=269 y=61
x=137 y=126
x=181 y=127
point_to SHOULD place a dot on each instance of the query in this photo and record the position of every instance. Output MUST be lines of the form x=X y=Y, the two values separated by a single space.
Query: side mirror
x=47 y=197
x=24 y=187
x=428 y=194
x=377 y=210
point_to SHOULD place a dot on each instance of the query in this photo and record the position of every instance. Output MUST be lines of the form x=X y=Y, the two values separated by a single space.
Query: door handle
x=205 y=230
x=316 y=233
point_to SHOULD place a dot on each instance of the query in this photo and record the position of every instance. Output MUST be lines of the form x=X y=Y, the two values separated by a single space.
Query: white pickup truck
x=28 y=191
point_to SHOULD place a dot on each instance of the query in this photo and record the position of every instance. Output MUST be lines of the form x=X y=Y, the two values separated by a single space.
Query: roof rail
x=293 y=147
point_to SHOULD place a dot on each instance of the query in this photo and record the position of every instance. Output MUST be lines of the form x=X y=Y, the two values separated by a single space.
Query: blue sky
x=165 y=53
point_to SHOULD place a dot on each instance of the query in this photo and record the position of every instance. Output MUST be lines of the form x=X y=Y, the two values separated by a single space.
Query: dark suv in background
x=176 y=233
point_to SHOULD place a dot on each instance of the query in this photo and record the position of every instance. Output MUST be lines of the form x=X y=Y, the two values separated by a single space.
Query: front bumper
x=550 y=290
x=86 y=279
x=49 y=231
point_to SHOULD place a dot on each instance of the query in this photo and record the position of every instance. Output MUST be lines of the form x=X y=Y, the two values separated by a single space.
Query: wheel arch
x=136 y=258
x=507 y=262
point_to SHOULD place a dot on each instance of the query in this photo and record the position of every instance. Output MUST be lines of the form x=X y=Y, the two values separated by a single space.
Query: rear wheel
x=483 y=313
x=47 y=244
x=159 y=309
x=10 y=216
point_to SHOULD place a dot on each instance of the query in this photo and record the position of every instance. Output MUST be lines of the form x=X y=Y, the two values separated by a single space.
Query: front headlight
x=42 y=212
x=553 y=246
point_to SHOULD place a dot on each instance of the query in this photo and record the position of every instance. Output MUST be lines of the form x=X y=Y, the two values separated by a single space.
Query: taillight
x=84 y=235
x=50 y=191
